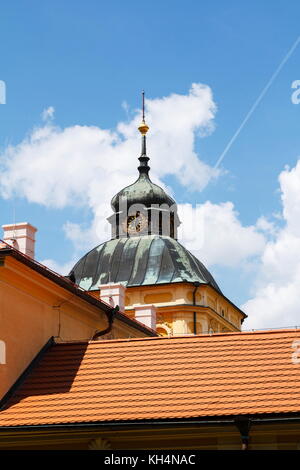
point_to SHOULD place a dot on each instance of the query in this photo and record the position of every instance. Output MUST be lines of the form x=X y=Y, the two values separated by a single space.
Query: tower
x=143 y=208
x=162 y=283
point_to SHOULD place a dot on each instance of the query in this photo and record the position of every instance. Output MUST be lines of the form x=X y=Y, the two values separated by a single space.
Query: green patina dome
x=142 y=191
x=140 y=261
x=149 y=258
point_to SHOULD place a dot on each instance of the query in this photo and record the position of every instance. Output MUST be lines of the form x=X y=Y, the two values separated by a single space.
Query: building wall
x=175 y=309
x=32 y=310
x=277 y=436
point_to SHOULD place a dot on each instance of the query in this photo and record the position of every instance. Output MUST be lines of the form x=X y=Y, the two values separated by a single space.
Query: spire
x=143 y=128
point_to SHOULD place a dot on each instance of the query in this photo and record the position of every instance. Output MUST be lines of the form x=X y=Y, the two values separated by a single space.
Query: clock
x=135 y=224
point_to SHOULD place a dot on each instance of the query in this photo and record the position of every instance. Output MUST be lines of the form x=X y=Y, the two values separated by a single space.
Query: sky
x=74 y=72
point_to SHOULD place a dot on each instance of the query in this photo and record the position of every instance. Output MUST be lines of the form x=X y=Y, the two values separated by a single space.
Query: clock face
x=135 y=224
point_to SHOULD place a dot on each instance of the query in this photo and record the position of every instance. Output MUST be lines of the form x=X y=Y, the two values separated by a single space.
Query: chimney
x=20 y=236
x=146 y=314
x=113 y=294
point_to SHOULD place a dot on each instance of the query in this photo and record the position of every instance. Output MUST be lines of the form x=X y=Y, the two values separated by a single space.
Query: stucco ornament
x=99 y=444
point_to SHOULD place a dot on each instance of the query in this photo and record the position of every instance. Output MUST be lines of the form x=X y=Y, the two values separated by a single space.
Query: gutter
x=214 y=421
x=71 y=287
x=110 y=317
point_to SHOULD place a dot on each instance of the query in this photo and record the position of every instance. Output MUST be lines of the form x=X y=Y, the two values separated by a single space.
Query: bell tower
x=143 y=208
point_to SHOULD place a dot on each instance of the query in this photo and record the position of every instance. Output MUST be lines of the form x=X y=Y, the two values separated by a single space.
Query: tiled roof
x=160 y=378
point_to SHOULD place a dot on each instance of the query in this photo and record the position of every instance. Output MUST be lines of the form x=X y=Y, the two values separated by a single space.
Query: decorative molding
x=99 y=444
x=165 y=326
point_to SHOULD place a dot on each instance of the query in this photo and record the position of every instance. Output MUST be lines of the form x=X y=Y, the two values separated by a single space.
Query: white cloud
x=63 y=269
x=266 y=226
x=275 y=298
x=215 y=235
x=86 y=165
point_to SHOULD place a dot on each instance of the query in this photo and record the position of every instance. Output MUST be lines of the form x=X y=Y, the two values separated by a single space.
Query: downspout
x=243 y=426
x=110 y=318
x=196 y=284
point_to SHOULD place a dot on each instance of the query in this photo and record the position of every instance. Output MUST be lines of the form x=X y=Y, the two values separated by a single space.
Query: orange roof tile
x=160 y=378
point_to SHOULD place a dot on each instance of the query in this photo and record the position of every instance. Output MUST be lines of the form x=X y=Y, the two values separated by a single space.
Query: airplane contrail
x=257 y=101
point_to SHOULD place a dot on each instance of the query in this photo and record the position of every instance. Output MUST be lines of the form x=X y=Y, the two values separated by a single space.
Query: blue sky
x=87 y=58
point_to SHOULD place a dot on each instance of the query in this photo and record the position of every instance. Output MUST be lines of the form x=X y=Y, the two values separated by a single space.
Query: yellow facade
x=176 y=313
x=33 y=309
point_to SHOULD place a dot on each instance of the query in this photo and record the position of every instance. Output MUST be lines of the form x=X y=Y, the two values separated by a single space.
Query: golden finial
x=143 y=128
